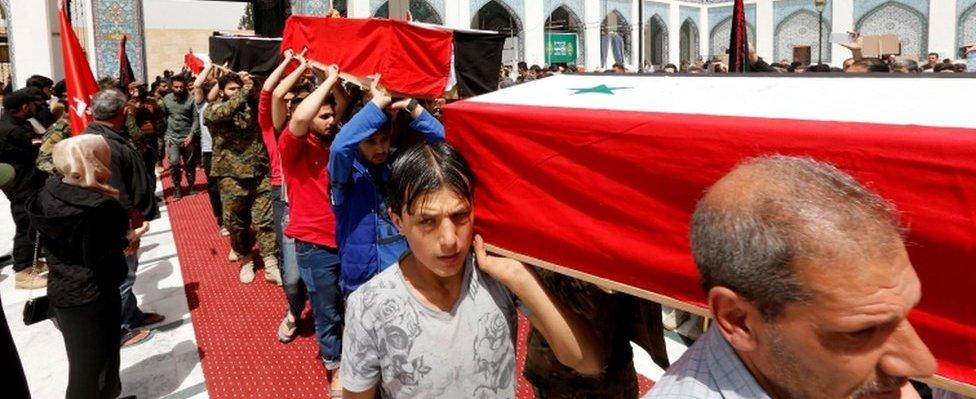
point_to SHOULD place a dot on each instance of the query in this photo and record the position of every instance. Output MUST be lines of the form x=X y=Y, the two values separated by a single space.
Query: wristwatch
x=412 y=105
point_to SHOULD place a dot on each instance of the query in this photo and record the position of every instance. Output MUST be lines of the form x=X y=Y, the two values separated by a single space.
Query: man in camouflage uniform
x=240 y=163
x=617 y=319
x=58 y=131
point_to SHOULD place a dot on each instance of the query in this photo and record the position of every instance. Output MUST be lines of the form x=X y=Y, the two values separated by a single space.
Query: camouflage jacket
x=238 y=150
x=58 y=131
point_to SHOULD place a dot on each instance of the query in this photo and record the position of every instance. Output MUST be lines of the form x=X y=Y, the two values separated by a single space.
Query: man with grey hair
x=809 y=285
x=136 y=193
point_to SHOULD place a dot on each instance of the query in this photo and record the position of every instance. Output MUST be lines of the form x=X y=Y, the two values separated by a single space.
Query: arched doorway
x=688 y=42
x=656 y=41
x=719 y=38
x=564 y=20
x=498 y=17
x=615 y=45
x=800 y=29
x=896 y=18
x=421 y=11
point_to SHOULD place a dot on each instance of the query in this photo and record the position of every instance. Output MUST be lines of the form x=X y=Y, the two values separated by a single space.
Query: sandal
x=135 y=337
x=287 y=329
x=150 y=319
x=333 y=375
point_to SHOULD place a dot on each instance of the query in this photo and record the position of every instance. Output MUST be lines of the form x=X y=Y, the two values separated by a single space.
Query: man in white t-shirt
x=441 y=322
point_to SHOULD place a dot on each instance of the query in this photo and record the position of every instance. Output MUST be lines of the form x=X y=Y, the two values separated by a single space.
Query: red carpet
x=235 y=324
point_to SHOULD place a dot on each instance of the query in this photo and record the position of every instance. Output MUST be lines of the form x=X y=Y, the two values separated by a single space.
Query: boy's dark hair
x=177 y=78
x=424 y=169
x=229 y=78
x=60 y=89
x=39 y=82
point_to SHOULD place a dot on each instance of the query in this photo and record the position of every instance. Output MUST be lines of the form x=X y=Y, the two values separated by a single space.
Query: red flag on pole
x=126 y=75
x=78 y=76
x=738 y=42
x=193 y=62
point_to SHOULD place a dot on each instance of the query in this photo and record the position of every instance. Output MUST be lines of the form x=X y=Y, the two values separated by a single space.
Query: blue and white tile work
x=621 y=6
x=795 y=24
x=656 y=7
x=114 y=19
x=906 y=18
x=966 y=28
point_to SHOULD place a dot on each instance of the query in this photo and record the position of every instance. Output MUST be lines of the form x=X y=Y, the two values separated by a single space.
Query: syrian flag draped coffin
x=600 y=174
x=414 y=59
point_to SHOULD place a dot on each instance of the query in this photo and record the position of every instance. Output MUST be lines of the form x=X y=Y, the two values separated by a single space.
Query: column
x=704 y=33
x=942 y=28
x=453 y=11
x=635 y=27
x=535 y=31
x=591 y=19
x=34 y=40
x=674 y=34
x=764 y=29
x=842 y=20
x=358 y=8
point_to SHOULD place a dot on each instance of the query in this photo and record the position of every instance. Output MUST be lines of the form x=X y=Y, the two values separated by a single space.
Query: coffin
x=596 y=176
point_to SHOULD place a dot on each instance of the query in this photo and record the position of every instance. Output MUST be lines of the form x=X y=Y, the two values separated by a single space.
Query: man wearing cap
x=17 y=150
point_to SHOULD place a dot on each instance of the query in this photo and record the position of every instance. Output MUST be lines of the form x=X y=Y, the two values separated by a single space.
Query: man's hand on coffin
x=248 y=81
x=378 y=93
x=505 y=270
x=410 y=105
x=572 y=341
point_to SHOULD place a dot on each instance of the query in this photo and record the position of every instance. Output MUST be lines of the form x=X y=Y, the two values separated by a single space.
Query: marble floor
x=166 y=366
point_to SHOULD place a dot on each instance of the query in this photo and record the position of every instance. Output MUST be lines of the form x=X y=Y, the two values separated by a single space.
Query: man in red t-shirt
x=304 y=151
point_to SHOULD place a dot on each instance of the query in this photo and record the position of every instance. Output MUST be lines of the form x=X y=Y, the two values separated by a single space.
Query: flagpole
x=640 y=36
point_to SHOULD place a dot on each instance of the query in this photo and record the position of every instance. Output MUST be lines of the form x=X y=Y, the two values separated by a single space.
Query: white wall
x=35 y=40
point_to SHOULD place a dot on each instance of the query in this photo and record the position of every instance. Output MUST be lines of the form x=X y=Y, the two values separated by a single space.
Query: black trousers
x=213 y=190
x=91 y=338
x=12 y=378
x=24 y=236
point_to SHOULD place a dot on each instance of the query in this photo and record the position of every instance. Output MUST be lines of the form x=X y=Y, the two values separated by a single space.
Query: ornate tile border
x=114 y=18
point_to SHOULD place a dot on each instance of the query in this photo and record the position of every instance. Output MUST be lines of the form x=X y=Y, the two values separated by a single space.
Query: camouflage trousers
x=247 y=214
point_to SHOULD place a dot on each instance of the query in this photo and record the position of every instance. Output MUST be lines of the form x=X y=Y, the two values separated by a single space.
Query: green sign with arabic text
x=561 y=48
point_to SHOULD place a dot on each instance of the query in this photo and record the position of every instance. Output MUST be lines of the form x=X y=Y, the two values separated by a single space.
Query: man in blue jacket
x=359 y=168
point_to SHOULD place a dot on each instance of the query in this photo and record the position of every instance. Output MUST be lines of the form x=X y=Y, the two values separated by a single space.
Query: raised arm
x=856 y=45
x=360 y=127
x=423 y=122
x=221 y=111
x=198 y=94
x=279 y=110
x=574 y=344
x=302 y=116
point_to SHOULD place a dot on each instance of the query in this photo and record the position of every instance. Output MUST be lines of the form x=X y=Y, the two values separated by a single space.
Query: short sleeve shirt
x=410 y=350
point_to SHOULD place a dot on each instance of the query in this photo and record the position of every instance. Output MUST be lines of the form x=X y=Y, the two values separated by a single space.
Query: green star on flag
x=600 y=89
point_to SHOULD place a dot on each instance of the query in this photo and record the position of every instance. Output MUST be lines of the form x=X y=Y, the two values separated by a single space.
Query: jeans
x=213 y=191
x=319 y=267
x=291 y=278
x=131 y=315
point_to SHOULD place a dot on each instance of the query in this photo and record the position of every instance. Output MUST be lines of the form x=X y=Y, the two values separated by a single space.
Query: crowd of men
x=352 y=201
x=857 y=63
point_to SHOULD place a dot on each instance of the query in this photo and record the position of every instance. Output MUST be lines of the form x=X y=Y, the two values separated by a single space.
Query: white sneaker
x=233 y=256
x=247 y=270
x=271 y=271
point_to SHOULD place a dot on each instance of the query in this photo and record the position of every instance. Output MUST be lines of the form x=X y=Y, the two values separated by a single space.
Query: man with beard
x=809 y=284
x=180 y=111
x=16 y=149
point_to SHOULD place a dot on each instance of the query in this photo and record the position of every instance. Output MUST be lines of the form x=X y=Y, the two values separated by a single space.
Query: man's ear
x=395 y=219
x=736 y=318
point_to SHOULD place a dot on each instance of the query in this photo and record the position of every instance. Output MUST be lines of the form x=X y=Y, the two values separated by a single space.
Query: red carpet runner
x=235 y=324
